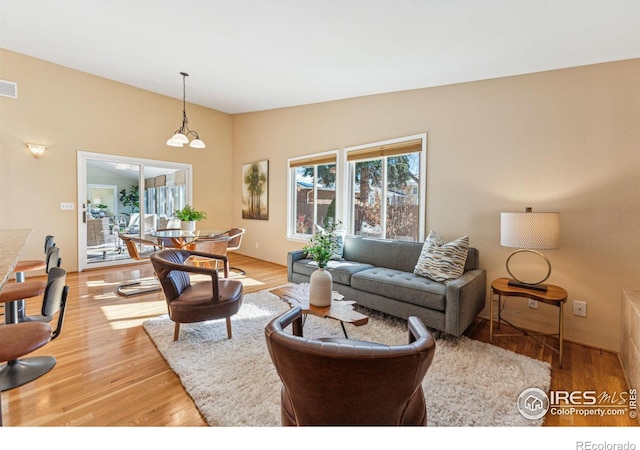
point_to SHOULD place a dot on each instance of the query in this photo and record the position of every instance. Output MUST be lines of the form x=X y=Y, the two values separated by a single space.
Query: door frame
x=82 y=158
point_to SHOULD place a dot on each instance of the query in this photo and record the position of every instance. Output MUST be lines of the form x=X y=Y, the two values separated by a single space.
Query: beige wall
x=69 y=111
x=566 y=140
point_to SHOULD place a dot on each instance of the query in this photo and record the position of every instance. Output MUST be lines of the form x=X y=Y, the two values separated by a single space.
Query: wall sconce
x=36 y=150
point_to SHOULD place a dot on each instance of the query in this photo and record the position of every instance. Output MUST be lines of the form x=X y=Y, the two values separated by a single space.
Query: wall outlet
x=256 y=245
x=533 y=304
x=67 y=206
x=580 y=309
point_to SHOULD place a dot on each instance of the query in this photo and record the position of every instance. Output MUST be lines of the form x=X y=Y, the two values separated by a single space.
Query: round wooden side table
x=554 y=295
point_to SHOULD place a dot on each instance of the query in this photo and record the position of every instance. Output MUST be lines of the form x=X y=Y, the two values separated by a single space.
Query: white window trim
x=291 y=234
x=348 y=175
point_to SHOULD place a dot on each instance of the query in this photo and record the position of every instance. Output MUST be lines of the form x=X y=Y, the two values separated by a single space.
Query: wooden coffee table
x=341 y=310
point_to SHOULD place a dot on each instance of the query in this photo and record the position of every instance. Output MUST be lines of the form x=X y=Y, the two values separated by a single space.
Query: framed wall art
x=255 y=190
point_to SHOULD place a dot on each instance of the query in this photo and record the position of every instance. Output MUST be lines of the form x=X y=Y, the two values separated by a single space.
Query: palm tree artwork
x=255 y=190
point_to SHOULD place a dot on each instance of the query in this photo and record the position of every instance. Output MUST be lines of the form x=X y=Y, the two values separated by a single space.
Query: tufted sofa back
x=399 y=255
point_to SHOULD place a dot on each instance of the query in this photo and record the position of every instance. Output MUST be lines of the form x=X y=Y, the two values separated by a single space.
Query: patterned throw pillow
x=442 y=262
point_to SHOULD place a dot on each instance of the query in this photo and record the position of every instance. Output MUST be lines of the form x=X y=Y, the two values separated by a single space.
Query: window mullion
x=383 y=200
x=315 y=197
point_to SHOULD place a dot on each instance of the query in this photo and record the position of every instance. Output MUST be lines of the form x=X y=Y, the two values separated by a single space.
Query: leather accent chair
x=335 y=381
x=197 y=302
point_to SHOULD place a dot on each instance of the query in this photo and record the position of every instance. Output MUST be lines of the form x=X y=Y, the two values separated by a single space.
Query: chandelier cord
x=185 y=121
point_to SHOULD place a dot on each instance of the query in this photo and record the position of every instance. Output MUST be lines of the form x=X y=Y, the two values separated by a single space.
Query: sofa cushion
x=403 y=286
x=442 y=262
x=399 y=255
x=341 y=271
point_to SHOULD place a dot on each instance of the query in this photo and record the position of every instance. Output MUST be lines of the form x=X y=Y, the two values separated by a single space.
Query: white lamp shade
x=172 y=143
x=197 y=143
x=530 y=230
x=179 y=138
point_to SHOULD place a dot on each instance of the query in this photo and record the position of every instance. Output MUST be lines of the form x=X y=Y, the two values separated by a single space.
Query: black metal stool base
x=21 y=371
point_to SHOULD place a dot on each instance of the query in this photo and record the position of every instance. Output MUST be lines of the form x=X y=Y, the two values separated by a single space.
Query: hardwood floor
x=109 y=372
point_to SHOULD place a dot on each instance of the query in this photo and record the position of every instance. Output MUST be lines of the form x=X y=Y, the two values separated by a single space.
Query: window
x=165 y=193
x=312 y=193
x=386 y=180
x=381 y=194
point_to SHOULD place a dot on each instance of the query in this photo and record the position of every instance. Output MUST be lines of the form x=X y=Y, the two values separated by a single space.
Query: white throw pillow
x=442 y=262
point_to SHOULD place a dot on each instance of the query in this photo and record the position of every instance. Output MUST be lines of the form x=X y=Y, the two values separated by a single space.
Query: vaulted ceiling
x=251 y=55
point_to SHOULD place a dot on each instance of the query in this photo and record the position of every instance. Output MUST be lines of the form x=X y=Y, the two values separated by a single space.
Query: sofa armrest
x=466 y=297
x=292 y=257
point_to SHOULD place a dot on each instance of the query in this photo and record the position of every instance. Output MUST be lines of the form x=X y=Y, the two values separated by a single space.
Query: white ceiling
x=251 y=55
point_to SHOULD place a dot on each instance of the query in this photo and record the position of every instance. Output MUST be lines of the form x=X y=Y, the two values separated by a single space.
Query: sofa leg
x=176 y=331
x=229 y=327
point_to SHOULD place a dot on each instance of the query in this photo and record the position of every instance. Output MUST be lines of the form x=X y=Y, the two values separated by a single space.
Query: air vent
x=8 y=89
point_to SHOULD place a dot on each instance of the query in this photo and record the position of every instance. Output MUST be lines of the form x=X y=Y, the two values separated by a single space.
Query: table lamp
x=529 y=232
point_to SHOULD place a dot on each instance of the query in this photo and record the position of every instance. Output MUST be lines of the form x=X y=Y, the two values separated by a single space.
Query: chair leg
x=229 y=327
x=176 y=331
x=241 y=271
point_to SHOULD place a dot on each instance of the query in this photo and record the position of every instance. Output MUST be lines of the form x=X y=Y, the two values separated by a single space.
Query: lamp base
x=535 y=287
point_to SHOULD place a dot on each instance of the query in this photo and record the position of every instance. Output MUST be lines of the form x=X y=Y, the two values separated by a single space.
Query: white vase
x=320 y=288
x=188 y=226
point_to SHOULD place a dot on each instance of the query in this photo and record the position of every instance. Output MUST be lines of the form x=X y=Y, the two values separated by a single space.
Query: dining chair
x=235 y=240
x=216 y=245
x=130 y=288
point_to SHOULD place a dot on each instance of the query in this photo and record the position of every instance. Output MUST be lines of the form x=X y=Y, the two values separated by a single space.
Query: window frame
x=344 y=189
x=291 y=189
x=350 y=184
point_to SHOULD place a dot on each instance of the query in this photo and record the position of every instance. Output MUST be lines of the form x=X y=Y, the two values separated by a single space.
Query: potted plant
x=320 y=248
x=188 y=217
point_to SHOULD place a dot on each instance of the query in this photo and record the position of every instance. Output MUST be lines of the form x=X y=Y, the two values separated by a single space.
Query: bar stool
x=30 y=265
x=19 y=339
x=17 y=372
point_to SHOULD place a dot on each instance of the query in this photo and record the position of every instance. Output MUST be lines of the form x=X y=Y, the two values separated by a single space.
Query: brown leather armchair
x=334 y=381
x=197 y=302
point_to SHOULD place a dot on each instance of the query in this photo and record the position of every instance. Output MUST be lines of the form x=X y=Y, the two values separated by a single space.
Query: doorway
x=123 y=195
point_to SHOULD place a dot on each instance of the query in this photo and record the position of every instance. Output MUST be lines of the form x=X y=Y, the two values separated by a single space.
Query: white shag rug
x=233 y=381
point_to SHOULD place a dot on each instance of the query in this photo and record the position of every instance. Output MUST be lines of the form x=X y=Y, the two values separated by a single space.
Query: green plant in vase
x=322 y=245
x=320 y=248
x=189 y=216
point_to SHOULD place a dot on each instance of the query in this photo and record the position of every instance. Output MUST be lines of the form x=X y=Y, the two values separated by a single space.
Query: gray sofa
x=379 y=274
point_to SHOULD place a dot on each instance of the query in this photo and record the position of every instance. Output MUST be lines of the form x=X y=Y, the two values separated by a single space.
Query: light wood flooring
x=109 y=372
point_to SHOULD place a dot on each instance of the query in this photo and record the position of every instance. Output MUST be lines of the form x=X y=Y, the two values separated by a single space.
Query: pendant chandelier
x=181 y=135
